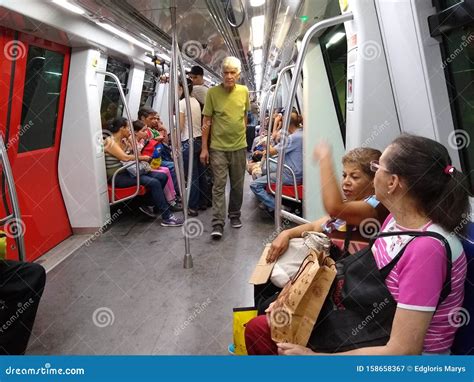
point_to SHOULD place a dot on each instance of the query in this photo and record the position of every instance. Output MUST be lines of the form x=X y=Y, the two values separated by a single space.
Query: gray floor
x=127 y=292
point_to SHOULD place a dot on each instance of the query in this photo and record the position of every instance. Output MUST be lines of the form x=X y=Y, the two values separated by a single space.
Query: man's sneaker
x=192 y=213
x=235 y=222
x=148 y=211
x=172 y=221
x=217 y=231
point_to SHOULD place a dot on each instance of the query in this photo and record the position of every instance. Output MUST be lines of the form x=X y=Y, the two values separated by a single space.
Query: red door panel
x=35 y=111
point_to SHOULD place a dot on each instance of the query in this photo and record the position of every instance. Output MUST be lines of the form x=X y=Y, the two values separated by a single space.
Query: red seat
x=289 y=190
x=122 y=193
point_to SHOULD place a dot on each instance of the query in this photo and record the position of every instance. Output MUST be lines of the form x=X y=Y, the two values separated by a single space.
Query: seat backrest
x=464 y=340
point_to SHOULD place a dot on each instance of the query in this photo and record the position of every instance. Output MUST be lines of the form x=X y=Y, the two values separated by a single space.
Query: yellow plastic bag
x=241 y=317
x=3 y=245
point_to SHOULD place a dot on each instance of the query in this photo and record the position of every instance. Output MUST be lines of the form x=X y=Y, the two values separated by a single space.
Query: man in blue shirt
x=293 y=159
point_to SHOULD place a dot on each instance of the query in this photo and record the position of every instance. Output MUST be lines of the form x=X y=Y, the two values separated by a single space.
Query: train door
x=33 y=88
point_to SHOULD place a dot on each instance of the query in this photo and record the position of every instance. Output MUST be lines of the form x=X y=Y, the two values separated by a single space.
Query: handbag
x=297 y=307
x=298 y=249
x=241 y=317
x=359 y=310
x=143 y=166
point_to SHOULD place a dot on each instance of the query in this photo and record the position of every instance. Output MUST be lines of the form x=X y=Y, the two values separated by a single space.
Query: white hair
x=231 y=62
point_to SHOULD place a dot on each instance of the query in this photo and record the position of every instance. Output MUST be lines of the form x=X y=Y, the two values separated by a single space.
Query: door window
x=44 y=71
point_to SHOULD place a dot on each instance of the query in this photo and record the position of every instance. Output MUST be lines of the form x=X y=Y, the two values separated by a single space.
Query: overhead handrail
x=15 y=216
x=134 y=141
x=173 y=105
x=270 y=122
x=322 y=25
x=228 y=8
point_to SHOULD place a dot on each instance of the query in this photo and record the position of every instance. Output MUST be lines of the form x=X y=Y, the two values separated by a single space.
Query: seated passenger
x=141 y=137
x=154 y=181
x=416 y=181
x=345 y=214
x=293 y=159
x=21 y=288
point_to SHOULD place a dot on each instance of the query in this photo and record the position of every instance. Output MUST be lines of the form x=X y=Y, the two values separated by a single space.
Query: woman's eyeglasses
x=374 y=166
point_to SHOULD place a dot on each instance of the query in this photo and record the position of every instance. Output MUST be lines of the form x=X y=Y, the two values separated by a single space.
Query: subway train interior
x=359 y=72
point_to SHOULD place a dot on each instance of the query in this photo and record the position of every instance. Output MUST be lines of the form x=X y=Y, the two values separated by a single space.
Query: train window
x=149 y=85
x=112 y=105
x=458 y=63
x=334 y=47
x=44 y=71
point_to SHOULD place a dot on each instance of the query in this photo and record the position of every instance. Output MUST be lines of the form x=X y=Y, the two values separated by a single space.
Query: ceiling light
x=125 y=36
x=257 y=3
x=258 y=27
x=335 y=39
x=70 y=7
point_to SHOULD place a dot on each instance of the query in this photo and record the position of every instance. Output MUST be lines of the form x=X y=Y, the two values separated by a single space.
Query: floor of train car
x=127 y=292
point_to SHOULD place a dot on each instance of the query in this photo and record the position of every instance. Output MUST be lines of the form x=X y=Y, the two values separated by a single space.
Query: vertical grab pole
x=322 y=25
x=270 y=122
x=173 y=103
x=16 y=215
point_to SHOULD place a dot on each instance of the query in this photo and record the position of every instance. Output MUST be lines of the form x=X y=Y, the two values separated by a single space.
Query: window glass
x=112 y=105
x=334 y=47
x=44 y=72
x=149 y=85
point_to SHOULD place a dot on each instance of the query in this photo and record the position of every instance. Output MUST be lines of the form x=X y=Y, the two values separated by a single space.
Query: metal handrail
x=324 y=24
x=173 y=105
x=134 y=141
x=16 y=215
x=295 y=183
x=270 y=122
x=264 y=105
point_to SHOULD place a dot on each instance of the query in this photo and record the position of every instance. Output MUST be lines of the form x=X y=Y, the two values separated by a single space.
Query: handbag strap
x=301 y=268
x=446 y=289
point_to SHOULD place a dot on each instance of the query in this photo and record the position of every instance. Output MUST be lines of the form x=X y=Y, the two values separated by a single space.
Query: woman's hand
x=321 y=151
x=292 y=349
x=278 y=247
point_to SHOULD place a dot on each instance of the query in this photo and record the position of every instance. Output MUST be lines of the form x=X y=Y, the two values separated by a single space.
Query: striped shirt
x=417 y=279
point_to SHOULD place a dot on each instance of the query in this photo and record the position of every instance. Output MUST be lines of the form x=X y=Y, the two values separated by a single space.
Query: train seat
x=289 y=190
x=464 y=340
x=121 y=193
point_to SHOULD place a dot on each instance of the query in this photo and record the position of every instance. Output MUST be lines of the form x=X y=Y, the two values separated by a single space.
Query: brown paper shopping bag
x=296 y=310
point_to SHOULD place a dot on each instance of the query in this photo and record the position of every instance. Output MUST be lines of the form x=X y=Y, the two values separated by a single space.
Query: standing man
x=225 y=121
x=199 y=88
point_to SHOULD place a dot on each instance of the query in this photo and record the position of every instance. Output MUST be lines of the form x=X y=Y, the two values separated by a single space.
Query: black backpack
x=359 y=309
